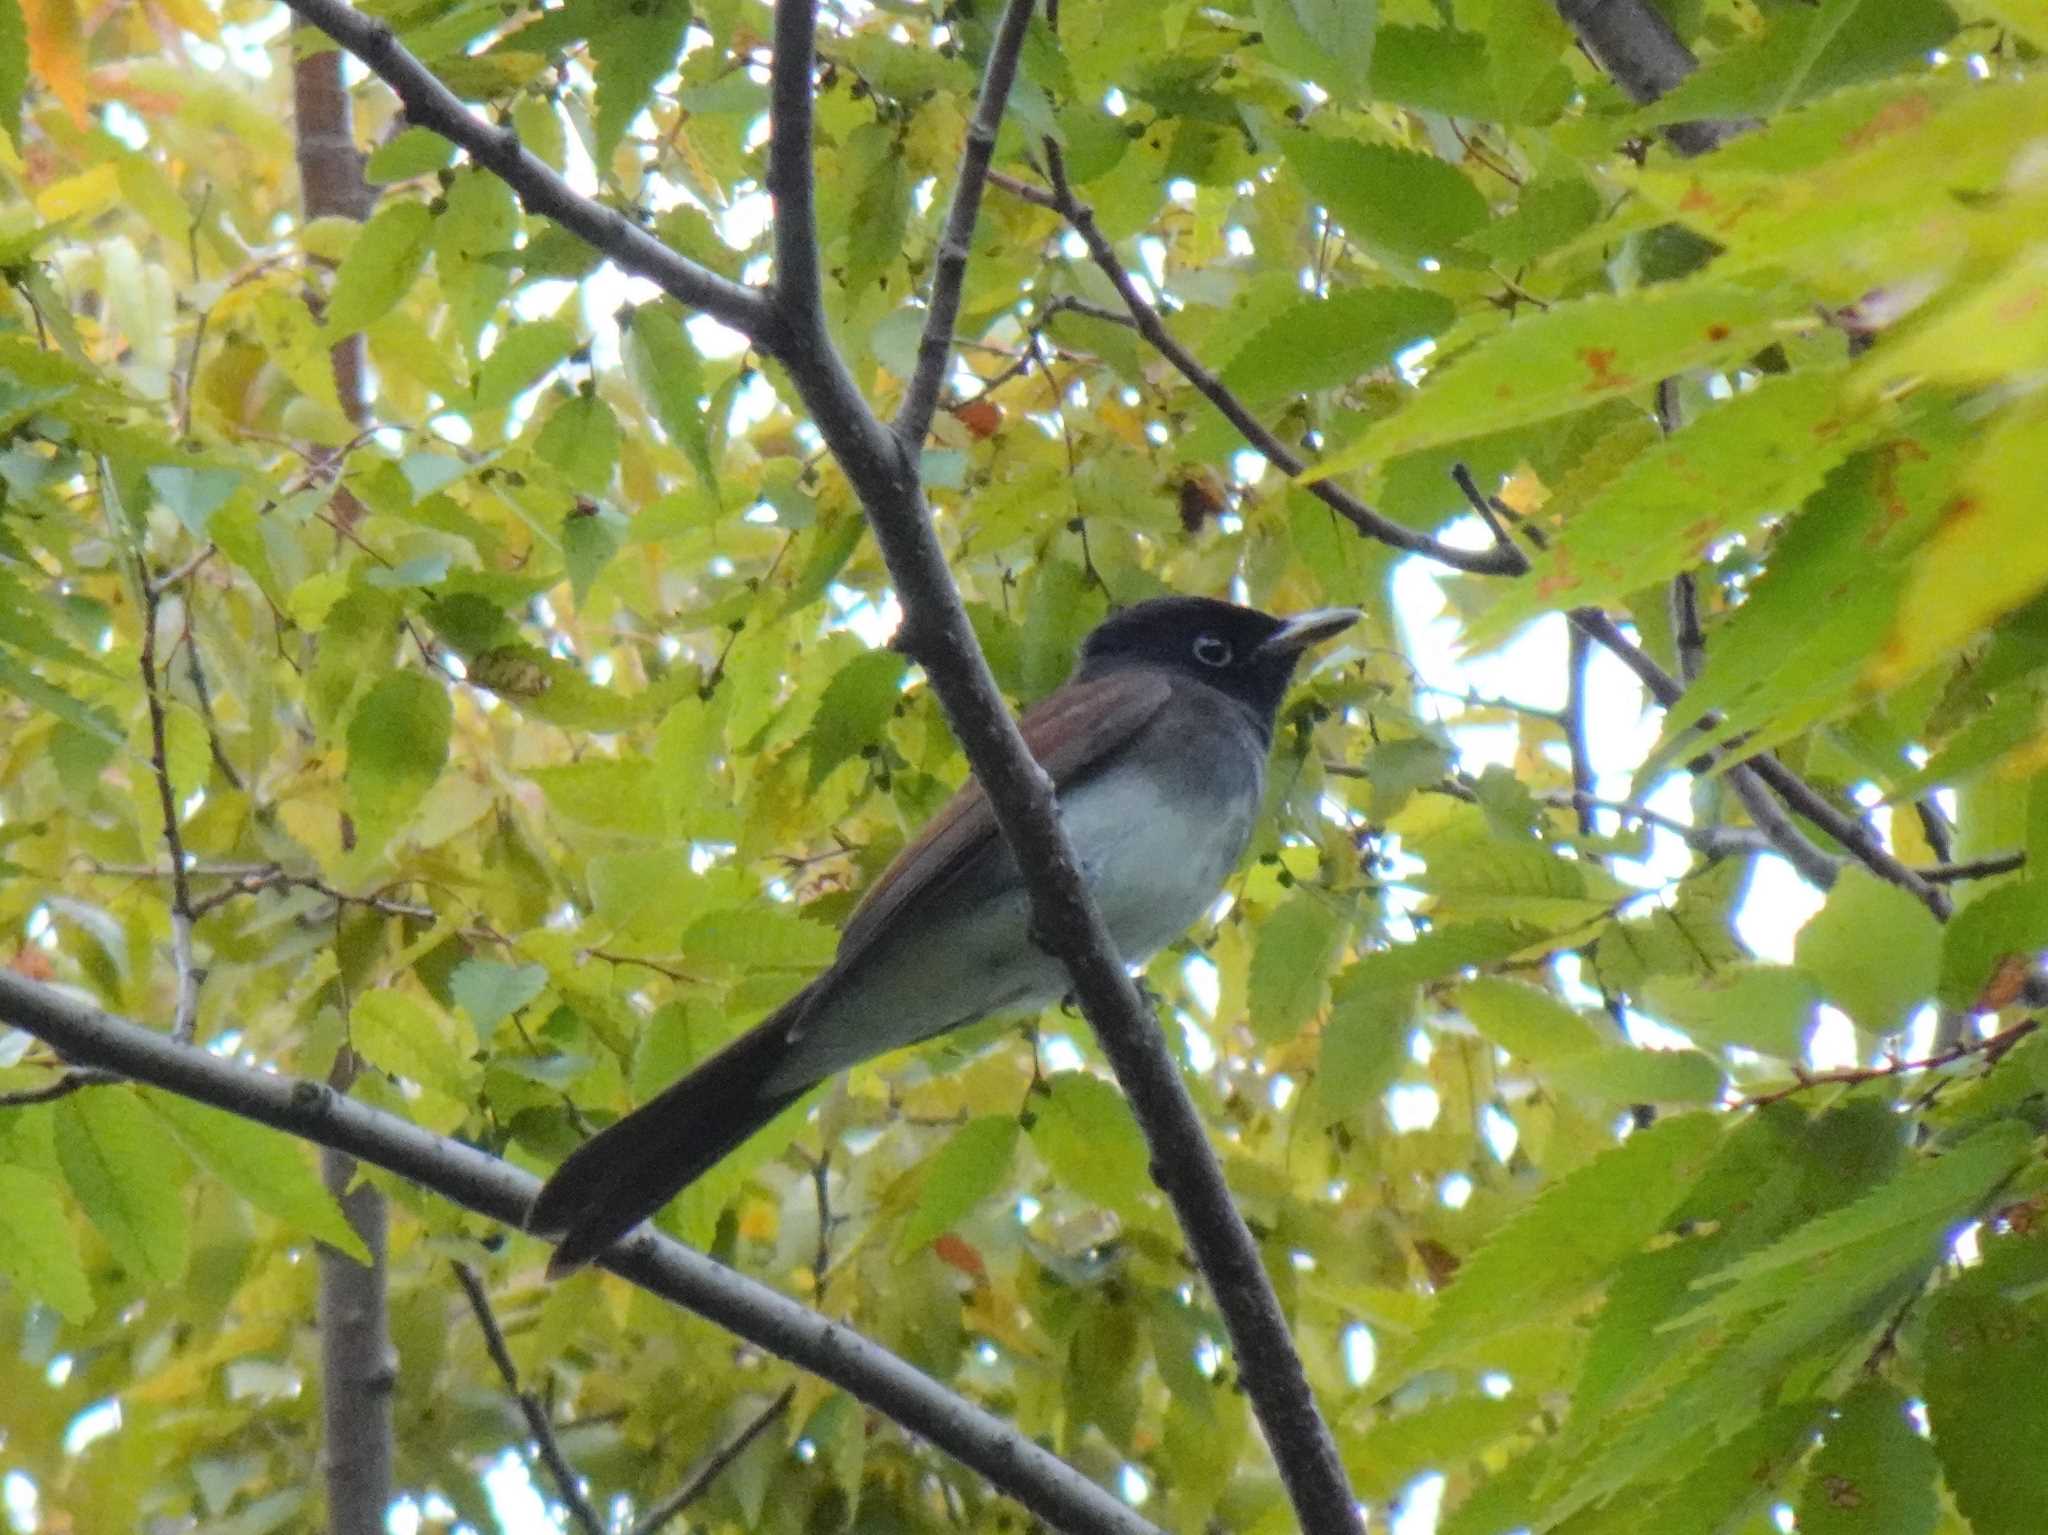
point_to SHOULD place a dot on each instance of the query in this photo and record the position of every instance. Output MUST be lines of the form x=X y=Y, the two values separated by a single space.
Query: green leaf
x=880 y=210
x=1440 y=952
x=489 y=991
x=1629 y=1075
x=1567 y=1242
x=380 y=266
x=1874 y=1472
x=194 y=494
x=414 y=152
x=1434 y=69
x=1765 y=1008
x=590 y=539
x=1875 y=950
x=854 y=707
x=265 y=1166
x=581 y=440
x=1327 y=342
x=1988 y=1411
x=965 y=1171
x=1400 y=206
x=1566 y=358
x=36 y=1248
x=397 y=746
x=1757 y=455
x=1550 y=212
x=760 y=938
x=2001 y=926
x=1530 y=1023
x=664 y=363
x=1296 y=947
x=1329 y=41
x=405 y=1038
x=1438 y=1435
x=524 y=352
x=1365 y=1043
x=633 y=43
x=1084 y=1130
x=111 y=1149
x=1934 y=1192
x=13 y=68
x=1807 y=52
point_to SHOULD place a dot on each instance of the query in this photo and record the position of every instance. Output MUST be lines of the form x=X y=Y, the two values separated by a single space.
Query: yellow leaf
x=86 y=195
x=195 y=16
x=56 y=54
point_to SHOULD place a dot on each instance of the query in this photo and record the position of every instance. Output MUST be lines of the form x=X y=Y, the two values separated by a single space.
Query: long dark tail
x=629 y=1170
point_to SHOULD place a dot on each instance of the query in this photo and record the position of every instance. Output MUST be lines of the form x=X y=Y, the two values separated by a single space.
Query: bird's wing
x=1073 y=732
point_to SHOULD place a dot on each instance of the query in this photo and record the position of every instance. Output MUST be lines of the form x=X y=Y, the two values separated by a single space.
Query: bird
x=1156 y=747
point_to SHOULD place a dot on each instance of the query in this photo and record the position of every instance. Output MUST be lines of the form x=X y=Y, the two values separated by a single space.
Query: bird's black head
x=1239 y=651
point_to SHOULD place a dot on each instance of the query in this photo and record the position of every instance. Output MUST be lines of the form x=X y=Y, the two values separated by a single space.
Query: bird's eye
x=1212 y=650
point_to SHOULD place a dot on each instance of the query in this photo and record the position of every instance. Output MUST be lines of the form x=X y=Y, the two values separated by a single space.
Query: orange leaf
x=56 y=52
x=981 y=417
x=960 y=1253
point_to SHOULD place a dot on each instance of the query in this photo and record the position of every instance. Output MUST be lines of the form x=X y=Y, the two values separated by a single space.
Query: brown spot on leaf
x=1717 y=332
x=1901 y=116
x=1841 y=1492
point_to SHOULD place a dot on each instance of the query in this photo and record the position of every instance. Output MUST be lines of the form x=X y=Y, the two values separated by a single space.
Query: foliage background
x=489 y=727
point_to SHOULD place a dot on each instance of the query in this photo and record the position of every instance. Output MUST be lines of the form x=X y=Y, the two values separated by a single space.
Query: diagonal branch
x=430 y=104
x=492 y=1187
x=935 y=345
x=1799 y=795
x=714 y=1466
x=549 y=1447
x=1501 y=560
x=1065 y=919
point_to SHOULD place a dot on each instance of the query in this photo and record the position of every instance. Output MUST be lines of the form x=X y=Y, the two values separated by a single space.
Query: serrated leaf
x=1084 y=1130
x=414 y=152
x=1629 y=1075
x=1291 y=962
x=1329 y=41
x=758 y=939
x=193 y=493
x=1987 y=1409
x=966 y=1170
x=1439 y=952
x=633 y=43
x=1756 y=456
x=36 y=1248
x=1438 y=1435
x=1568 y=1241
x=1321 y=343
x=854 y=707
x=2001 y=926
x=590 y=539
x=880 y=208
x=1765 y=1008
x=663 y=362
x=524 y=353
x=1364 y=1045
x=405 y=1038
x=380 y=266
x=1401 y=206
x=1874 y=1471
x=488 y=990
x=1529 y=1023
x=1875 y=950
x=397 y=746
x=266 y=1167
x=1564 y=359
x=581 y=440
x=111 y=1150
x=1550 y=212
x=1933 y=1192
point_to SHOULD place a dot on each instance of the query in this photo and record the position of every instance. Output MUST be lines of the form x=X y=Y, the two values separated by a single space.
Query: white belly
x=1156 y=860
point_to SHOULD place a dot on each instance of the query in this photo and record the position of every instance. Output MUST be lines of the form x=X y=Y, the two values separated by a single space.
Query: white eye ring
x=1211 y=650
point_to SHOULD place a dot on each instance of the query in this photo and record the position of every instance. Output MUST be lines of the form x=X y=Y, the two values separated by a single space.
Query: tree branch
x=956 y=244
x=1502 y=560
x=185 y=1023
x=1632 y=41
x=1798 y=795
x=1992 y=1048
x=475 y=1180
x=430 y=104
x=537 y=1424
x=1065 y=919
x=714 y=1465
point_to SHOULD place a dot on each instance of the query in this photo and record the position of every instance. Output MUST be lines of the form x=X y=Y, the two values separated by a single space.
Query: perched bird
x=1157 y=747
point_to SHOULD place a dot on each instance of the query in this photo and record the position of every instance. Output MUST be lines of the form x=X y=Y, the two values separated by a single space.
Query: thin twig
x=185 y=1022
x=714 y=1464
x=1976 y=868
x=58 y=1087
x=567 y=1484
x=1504 y=559
x=1578 y=654
x=1799 y=796
x=1992 y=1048
x=956 y=242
